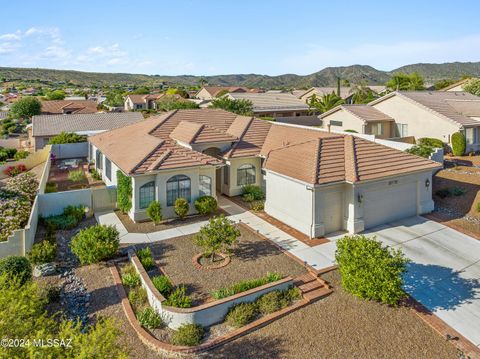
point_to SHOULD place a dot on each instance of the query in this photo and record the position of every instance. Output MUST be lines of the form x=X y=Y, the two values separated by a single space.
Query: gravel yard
x=252 y=258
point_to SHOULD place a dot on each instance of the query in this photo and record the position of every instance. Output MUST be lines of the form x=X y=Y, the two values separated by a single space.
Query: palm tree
x=325 y=103
x=362 y=93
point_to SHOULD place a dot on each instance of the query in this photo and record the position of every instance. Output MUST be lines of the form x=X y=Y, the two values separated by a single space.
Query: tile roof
x=339 y=158
x=75 y=106
x=271 y=101
x=345 y=92
x=48 y=125
x=215 y=90
x=363 y=112
x=194 y=133
x=140 y=99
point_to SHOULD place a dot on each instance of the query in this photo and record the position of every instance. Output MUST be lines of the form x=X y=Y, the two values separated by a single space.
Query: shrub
x=53 y=294
x=20 y=155
x=76 y=175
x=67 y=137
x=442 y=193
x=181 y=207
x=219 y=234
x=154 y=211
x=163 y=285
x=16 y=267
x=51 y=187
x=248 y=197
x=351 y=131
x=25 y=184
x=13 y=171
x=459 y=144
x=270 y=302
x=131 y=279
x=245 y=285
x=15 y=211
x=188 y=334
x=43 y=252
x=206 y=204
x=77 y=212
x=257 y=206
x=96 y=175
x=146 y=258
x=138 y=297
x=178 y=298
x=149 y=319
x=124 y=192
x=430 y=142
x=61 y=222
x=242 y=314
x=370 y=270
x=10 y=152
x=457 y=191
x=255 y=191
x=422 y=151
x=95 y=243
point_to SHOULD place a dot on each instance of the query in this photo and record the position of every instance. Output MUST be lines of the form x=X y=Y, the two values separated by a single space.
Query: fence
x=70 y=150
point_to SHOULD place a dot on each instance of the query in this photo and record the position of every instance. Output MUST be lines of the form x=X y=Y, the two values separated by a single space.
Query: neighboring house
x=457 y=86
x=141 y=102
x=30 y=91
x=436 y=114
x=68 y=107
x=44 y=127
x=274 y=104
x=346 y=93
x=316 y=182
x=211 y=92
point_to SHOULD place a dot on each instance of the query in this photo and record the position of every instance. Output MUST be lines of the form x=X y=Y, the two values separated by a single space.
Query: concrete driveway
x=445 y=271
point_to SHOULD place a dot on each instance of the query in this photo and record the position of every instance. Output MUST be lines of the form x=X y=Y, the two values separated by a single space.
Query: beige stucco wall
x=204 y=95
x=232 y=189
x=421 y=122
x=349 y=121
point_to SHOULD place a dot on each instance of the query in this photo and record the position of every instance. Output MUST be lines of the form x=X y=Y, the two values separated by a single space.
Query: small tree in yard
x=219 y=234
x=26 y=107
x=458 y=144
x=154 y=212
x=67 y=137
x=369 y=270
x=96 y=243
x=181 y=207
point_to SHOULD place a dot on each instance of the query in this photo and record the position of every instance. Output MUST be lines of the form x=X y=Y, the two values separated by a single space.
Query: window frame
x=142 y=195
x=99 y=160
x=245 y=168
x=108 y=169
x=336 y=123
x=201 y=184
x=174 y=189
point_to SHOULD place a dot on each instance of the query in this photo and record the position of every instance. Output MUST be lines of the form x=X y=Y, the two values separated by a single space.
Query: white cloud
x=11 y=36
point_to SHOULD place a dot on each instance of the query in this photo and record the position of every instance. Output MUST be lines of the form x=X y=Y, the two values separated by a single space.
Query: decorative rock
x=43 y=270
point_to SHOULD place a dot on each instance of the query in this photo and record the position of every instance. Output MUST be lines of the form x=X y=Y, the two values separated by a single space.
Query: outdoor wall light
x=360 y=198
x=427 y=183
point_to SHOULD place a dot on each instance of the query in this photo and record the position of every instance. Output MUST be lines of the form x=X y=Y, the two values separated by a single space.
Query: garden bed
x=62 y=176
x=149 y=226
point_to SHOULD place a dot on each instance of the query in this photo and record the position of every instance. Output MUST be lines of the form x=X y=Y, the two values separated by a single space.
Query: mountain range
x=327 y=77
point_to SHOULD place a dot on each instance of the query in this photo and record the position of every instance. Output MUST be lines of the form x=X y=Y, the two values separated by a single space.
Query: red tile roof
x=56 y=107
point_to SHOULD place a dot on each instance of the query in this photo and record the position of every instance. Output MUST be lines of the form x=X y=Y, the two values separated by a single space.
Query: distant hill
x=325 y=77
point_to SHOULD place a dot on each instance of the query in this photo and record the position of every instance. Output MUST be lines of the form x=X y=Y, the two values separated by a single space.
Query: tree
x=67 y=137
x=55 y=95
x=370 y=270
x=220 y=234
x=169 y=103
x=141 y=91
x=114 y=98
x=176 y=91
x=240 y=107
x=472 y=86
x=26 y=107
x=441 y=84
x=405 y=82
x=324 y=104
x=362 y=94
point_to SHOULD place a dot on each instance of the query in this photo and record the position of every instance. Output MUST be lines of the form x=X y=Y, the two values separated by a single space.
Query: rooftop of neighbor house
x=50 y=125
x=363 y=112
x=140 y=99
x=215 y=90
x=456 y=106
x=307 y=154
x=74 y=106
x=269 y=101
x=345 y=92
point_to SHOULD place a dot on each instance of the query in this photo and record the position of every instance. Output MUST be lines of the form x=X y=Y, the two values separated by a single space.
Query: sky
x=206 y=37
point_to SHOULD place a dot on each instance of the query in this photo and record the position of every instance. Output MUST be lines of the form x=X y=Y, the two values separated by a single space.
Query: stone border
x=196 y=262
x=162 y=347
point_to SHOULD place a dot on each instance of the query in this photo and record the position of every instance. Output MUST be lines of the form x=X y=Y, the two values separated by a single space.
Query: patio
x=71 y=174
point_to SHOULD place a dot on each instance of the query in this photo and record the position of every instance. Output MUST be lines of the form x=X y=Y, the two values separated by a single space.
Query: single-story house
x=315 y=181
x=44 y=127
x=272 y=104
x=141 y=102
x=67 y=107
x=457 y=86
x=436 y=114
x=209 y=93
x=346 y=93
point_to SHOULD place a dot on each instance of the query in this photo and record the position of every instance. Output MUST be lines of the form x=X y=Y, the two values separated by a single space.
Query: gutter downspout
x=312 y=224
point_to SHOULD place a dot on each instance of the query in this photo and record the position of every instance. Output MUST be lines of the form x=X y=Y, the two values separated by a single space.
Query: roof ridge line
x=162 y=122
x=350 y=158
x=317 y=160
x=235 y=145
x=197 y=132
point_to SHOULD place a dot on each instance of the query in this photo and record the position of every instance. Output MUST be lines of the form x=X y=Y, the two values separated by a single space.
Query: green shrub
x=95 y=174
x=61 y=222
x=270 y=302
x=257 y=206
x=255 y=191
x=370 y=270
x=51 y=187
x=206 y=204
x=137 y=297
x=11 y=152
x=129 y=268
x=245 y=285
x=422 y=151
x=163 y=285
x=219 y=235
x=178 y=298
x=242 y=314
x=53 y=294
x=459 y=144
x=77 y=212
x=20 y=155
x=95 y=243
x=188 y=334
x=43 y=252
x=457 y=191
x=124 y=192
x=131 y=279
x=154 y=211
x=431 y=142
x=16 y=266
x=181 y=207
x=67 y=137
x=146 y=258
x=149 y=319
x=76 y=175
x=248 y=197
x=3 y=156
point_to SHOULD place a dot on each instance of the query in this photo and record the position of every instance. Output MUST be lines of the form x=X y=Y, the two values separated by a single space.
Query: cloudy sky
x=238 y=36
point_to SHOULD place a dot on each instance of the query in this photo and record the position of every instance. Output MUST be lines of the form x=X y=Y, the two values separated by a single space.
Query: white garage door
x=389 y=204
x=332 y=211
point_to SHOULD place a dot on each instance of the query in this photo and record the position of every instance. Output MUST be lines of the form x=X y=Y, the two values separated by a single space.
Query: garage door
x=332 y=211
x=389 y=204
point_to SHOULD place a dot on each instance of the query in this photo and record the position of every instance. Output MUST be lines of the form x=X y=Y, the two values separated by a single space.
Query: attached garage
x=395 y=201
x=332 y=210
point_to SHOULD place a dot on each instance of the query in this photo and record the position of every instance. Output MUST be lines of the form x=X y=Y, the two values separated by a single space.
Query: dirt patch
x=342 y=326
x=252 y=258
x=149 y=226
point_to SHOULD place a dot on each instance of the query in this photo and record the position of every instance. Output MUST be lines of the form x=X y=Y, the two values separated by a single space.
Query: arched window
x=178 y=187
x=246 y=175
x=205 y=186
x=146 y=194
